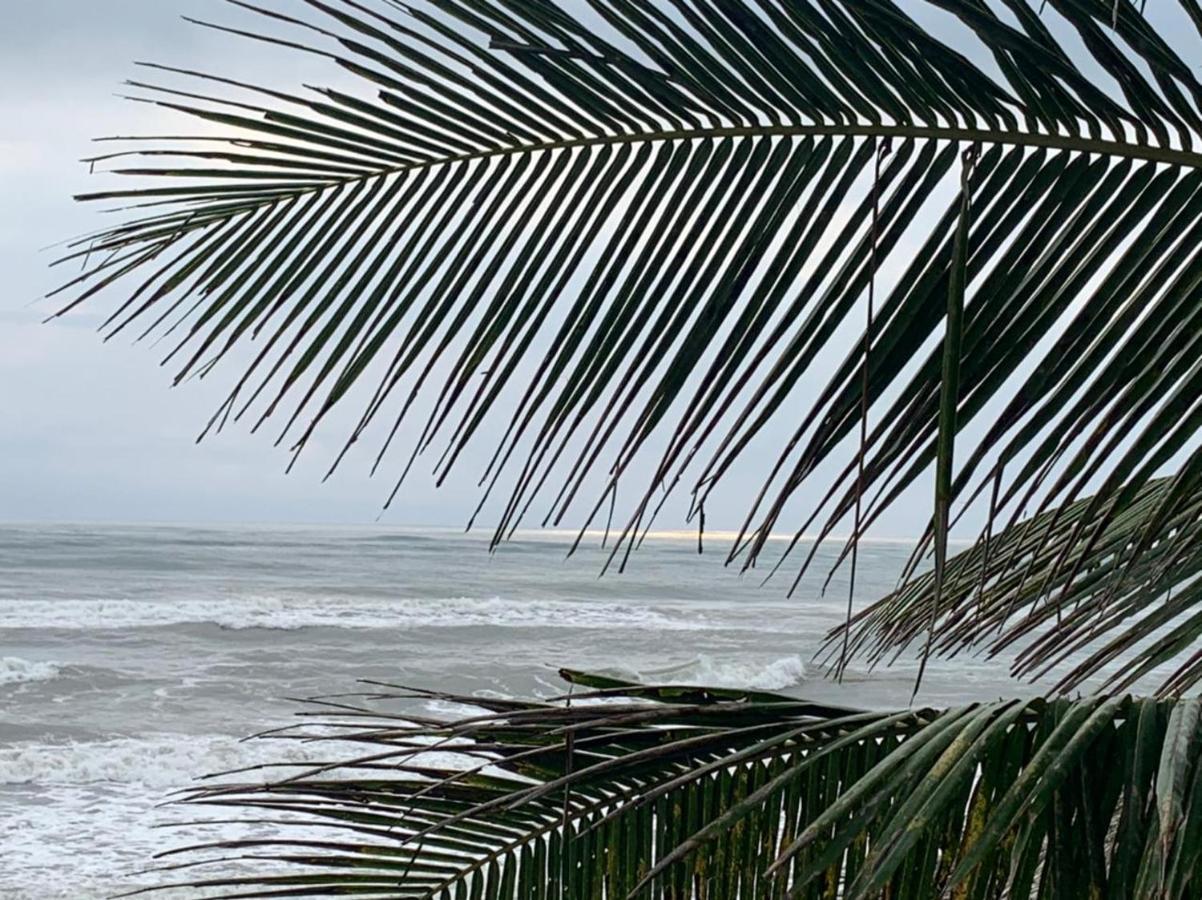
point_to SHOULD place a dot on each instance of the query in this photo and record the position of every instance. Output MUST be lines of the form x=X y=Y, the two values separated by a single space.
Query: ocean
x=134 y=659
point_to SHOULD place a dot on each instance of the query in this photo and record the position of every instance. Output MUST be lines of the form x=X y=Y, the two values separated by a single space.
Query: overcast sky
x=94 y=432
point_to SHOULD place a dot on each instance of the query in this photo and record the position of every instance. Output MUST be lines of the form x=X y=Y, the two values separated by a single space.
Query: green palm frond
x=628 y=230
x=1126 y=604
x=694 y=792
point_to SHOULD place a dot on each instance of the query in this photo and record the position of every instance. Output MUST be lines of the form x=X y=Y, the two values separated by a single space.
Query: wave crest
x=23 y=671
x=295 y=613
x=707 y=671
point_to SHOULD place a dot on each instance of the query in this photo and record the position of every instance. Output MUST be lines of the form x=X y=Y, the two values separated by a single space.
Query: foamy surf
x=162 y=763
x=168 y=762
x=119 y=788
x=711 y=671
x=23 y=671
x=296 y=613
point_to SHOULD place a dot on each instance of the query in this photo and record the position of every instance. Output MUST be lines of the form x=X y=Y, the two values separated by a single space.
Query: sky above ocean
x=95 y=432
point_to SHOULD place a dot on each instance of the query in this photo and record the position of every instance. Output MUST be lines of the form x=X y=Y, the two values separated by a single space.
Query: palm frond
x=643 y=227
x=1125 y=606
x=694 y=792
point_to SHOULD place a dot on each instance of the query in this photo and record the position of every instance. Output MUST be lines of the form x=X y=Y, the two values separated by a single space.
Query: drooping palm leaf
x=708 y=793
x=643 y=222
x=1128 y=607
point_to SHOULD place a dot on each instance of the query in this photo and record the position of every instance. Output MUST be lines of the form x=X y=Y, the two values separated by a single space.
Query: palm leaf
x=1125 y=608
x=643 y=228
x=680 y=791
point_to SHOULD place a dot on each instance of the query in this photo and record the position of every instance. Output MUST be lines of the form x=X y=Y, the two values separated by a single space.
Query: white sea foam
x=709 y=671
x=124 y=824
x=294 y=613
x=163 y=762
x=779 y=673
x=114 y=790
x=447 y=709
x=22 y=671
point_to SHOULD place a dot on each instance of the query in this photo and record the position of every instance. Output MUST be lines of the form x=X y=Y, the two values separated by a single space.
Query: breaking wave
x=290 y=614
x=23 y=671
x=708 y=671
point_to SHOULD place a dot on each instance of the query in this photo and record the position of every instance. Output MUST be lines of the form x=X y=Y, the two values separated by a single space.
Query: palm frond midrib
x=1108 y=147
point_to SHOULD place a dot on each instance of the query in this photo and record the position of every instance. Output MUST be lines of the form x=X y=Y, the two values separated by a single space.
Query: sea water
x=134 y=659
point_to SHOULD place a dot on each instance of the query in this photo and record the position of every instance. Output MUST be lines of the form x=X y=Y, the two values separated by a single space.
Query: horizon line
x=480 y=533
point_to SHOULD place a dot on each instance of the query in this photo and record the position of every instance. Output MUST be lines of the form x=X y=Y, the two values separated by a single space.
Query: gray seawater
x=133 y=659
